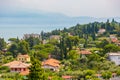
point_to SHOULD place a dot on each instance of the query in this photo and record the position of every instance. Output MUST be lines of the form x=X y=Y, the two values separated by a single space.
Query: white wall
x=115 y=58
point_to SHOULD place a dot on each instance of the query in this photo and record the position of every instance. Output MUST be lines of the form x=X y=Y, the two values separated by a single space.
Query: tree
x=73 y=55
x=111 y=48
x=23 y=47
x=36 y=71
x=118 y=72
x=13 y=49
x=103 y=43
x=57 y=78
x=32 y=41
x=89 y=72
x=2 y=43
x=14 y=40
x=106 y=75
x=63 y=48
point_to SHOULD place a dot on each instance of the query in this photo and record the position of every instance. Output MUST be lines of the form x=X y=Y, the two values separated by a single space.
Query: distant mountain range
x=47 y=18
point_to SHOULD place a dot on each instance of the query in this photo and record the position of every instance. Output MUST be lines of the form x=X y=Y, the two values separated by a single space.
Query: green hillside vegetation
x=67 y=51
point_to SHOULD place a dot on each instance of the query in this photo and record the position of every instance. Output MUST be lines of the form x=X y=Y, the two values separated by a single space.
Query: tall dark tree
x=23 y=47
x=36 y=71
x=14 y=49
x=2 y=43
x=33 y=41
x=93 y=36
x=42 y=35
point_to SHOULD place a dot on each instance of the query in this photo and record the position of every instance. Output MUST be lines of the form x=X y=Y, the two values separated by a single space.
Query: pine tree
x=36 y=72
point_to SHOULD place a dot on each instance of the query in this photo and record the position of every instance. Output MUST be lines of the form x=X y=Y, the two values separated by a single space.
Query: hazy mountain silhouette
x=41 y=18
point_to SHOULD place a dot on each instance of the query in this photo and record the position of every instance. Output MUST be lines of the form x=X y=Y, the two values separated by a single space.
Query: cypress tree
x=36 y=72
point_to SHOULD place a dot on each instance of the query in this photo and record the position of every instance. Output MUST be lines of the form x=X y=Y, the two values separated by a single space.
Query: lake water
x=10 y=31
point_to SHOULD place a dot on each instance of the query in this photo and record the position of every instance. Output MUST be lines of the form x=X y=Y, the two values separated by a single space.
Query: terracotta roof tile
x=17 y=64
x=67 y=77
x=85 y=52
x=114 y=40
x=12 y=63
x=51 y=62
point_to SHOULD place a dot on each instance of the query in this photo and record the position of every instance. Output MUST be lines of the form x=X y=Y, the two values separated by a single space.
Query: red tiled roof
x=85 y=52
x=12 y=63
x=98 y=75
x=51 y=62
x=114 y=40
x=20 y=65
x=67 y=77
x=17 y=64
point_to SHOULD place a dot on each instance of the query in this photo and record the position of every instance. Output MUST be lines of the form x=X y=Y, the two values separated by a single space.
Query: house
x=17 y=66
x=23 y=58
x=112 y=36
x=84 y=52
x=51 y=64
x=115 y=57
x=26 y=36
x=67 y=77
x=56 y=37
x=114 y=40
x=44 y=41
x=69 y=34
x=101 y=31
x=98 y=76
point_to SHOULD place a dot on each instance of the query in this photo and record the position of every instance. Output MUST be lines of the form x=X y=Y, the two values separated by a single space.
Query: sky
x=73 y=8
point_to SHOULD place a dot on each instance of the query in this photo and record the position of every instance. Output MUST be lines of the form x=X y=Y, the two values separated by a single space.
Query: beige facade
x=23 y=58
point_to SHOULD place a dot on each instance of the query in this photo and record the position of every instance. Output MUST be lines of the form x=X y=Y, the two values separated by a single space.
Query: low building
x=114 y=40
x=17 y=66
x=112 y=36
x=115 y=57
x=26 y=36
x=101 y=31
x=56 y=37
x=67 y=77
x=51 y=64
x=85 y=52
x=23 y=58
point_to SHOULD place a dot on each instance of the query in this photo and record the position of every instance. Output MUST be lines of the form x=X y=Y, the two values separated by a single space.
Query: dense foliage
x=67 y=49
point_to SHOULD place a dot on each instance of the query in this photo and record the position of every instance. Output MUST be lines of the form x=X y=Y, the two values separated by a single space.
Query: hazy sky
x=93 y=8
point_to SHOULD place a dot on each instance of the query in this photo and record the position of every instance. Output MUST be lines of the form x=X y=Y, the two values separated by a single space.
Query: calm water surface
x=10 y=31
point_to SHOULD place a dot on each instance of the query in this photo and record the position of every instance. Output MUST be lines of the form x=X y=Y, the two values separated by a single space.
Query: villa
x=51 y=64
x=115 y=57
x=101 y=31
x=84 y=52
x=23 y=58
x=56 y=37
x=17 y=66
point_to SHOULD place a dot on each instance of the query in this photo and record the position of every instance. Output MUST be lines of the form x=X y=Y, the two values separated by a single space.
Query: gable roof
x=85 y=52
x=11 y=63
x=66 y=77
x=20 y=65
x=17 y=64
x=51 y=62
